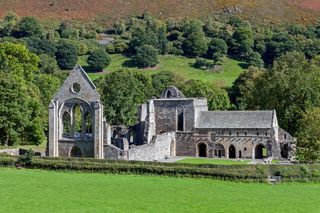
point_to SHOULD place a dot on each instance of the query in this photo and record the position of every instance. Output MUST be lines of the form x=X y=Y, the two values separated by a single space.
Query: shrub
x=26 y=159
x=66 y=55
x=147 y=56
x=98 y=59
x=202 y=63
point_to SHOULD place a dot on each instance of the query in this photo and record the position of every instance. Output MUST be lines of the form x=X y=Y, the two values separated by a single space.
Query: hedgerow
x=243 y=173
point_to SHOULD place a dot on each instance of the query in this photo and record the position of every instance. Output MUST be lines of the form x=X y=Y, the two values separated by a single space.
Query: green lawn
x=48 y=191
x=212 y=161
x=178 y=64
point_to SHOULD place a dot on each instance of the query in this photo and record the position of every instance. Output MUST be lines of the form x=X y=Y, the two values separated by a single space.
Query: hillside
x=107 y=10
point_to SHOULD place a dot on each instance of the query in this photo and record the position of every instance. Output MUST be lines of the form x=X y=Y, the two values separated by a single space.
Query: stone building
x=171 y=125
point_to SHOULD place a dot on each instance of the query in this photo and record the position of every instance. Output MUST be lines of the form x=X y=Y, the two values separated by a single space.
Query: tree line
x=283 y=66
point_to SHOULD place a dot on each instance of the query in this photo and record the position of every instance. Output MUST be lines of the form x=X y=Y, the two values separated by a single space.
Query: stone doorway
x=285 y=151
x=75 y=152
x=260 y=152
x=202 y=150
x=232 y=152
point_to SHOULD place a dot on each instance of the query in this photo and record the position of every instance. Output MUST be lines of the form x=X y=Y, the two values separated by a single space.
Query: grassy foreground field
x=180 y=65
x=45 y=191
x=212 y=161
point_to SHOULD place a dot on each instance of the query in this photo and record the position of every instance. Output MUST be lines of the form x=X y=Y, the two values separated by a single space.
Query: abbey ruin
x=168 y=126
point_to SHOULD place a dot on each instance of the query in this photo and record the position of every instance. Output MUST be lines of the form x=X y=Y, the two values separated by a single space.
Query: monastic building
x=168 y=126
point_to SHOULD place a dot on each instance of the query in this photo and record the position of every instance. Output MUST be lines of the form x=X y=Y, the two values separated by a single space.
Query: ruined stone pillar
x=53 y=128
x=98 y=130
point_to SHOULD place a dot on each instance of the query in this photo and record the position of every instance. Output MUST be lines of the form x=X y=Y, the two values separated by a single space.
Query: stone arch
x=180 y=115
x=232 y=151
x=219 y=151
x=88 y=125
x=168 y=94
x=202 y=149
x=66 y=124
x=77 y=114
x=285 y=151
x=75 y=152
x=260 y=151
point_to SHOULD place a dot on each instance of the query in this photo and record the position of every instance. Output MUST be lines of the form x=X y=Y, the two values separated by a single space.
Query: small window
x=245 y=133
x=237 y=133
x=258 y=133
x=285 y=136
x=76 y=88
x=230 y=133
x=245 y=148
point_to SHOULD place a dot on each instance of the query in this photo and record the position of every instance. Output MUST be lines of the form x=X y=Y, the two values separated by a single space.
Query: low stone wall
x=161 y=147
x=10 y=151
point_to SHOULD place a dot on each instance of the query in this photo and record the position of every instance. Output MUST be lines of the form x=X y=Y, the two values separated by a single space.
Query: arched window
x=180 y=117
x=219 y=151
x=88 y=123
x=77 y=121
x=169 y=94
x=66 y=123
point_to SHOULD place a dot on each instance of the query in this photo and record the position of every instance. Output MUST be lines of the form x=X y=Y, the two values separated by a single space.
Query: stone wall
x=86 y=148
x=10 y=151
x=161 y=147
x=166 y=114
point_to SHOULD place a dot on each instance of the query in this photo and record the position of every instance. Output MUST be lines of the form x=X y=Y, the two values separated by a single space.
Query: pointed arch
x=88 y=124
x=180 y=118
x=77 y=113
x=66 y=125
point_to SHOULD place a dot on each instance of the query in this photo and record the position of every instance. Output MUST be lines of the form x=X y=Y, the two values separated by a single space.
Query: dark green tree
x=48 y=64
x=254 y=59
x=121 y=93
x=217 y=97
x=147 y=56
x=66 y=55
x=308 y=146
x=98 y=60
x=217 y=49
x=28 y=26
x=164 y=79
x=20 y=112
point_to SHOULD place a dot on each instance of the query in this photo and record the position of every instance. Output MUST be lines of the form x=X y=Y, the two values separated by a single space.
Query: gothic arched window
x=180 y=118
x=66 y=123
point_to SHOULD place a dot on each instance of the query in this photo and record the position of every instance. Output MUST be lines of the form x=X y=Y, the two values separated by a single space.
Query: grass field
x=180 y=65
x=40 y=148
x=45 y=191
x=212 y=161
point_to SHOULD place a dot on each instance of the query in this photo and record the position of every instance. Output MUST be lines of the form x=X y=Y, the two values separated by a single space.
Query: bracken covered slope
x=108 y=10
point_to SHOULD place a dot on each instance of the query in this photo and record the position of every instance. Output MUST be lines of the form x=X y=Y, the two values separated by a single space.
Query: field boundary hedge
x=243 y=173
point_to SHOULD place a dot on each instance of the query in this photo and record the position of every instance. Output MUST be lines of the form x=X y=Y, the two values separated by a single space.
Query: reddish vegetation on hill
x=107 y=10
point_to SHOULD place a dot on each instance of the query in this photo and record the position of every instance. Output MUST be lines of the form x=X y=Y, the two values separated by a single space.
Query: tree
x=217 y=49
x=291 y=87
x=28 y=26
x=48 y=64
x=66 y=55
x=41 y=46
x=147 y=56
x=17 y=60
x=121 y=94
x=195 y=43
x=242 y=87
x=217 y=97
x=254 y=59
x=98 y=60
x=20 y=112
x=8 y=24
x=164 y=79
x=308 y=146
x=242 y=41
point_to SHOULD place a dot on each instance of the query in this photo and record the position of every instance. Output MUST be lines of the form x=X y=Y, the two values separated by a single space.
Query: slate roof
x=236 y=119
